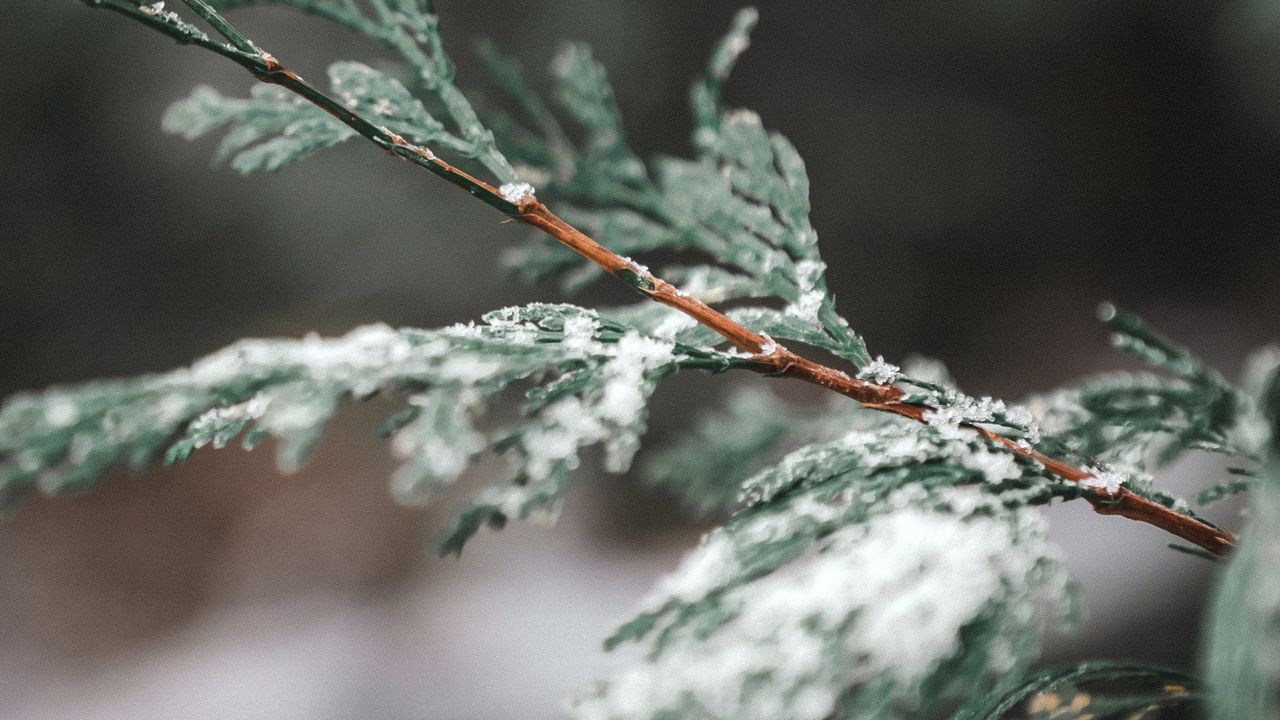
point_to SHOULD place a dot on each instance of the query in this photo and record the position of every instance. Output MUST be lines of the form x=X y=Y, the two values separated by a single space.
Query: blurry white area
x=504 y=633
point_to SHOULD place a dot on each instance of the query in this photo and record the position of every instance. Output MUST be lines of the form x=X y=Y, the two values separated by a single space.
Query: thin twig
x=768 y=356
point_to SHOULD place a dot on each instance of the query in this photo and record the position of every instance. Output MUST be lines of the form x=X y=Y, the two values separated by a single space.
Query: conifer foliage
x=868 y=566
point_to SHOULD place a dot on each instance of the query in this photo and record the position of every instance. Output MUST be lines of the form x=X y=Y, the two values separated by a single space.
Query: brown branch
x=774 y=359
x=769 y=356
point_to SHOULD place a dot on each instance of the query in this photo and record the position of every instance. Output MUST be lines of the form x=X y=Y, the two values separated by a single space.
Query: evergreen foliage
x=592 y=378
x=1243 y=654
x=866 y=567
x=743 y=203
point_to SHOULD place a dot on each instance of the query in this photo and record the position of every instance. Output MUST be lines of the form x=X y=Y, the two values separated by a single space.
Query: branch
x=766 y=355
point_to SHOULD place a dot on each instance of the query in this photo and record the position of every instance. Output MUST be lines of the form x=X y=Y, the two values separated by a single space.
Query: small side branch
x=766 y=355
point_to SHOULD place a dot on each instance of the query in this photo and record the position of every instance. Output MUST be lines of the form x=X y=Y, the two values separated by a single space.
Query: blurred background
x=983 y=175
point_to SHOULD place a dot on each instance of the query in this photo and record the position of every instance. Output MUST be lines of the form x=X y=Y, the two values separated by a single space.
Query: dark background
x=984 y=173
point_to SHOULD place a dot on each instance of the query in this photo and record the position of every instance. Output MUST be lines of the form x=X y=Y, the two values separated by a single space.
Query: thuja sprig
x=519 y=202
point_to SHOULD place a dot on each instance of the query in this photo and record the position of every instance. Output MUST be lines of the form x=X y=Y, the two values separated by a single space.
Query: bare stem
x=768 y=356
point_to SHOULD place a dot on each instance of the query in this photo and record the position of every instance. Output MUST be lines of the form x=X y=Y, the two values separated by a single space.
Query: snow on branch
x=592 y=380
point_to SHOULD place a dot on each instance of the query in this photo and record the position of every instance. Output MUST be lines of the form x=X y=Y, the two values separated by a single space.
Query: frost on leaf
x=516 y=192
x=591 y=382
x=1105 y=479
x=879 y=372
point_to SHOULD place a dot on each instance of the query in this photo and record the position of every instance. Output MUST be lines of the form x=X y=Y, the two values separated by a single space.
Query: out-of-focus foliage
x=1243 y=649
x=882 y=575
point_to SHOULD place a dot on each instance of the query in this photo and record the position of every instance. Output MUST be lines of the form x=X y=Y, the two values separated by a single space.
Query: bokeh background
x=984 y=173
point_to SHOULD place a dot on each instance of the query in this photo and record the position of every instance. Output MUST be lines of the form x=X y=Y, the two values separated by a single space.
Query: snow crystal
x=946 y=420
x=569 y=424
x=468 y=369
x=516 y=192
x=1104 y=479
x=1019 y=415
x=61 y=412
x=957 y=408
x=579 y=333
x=807 y=306
x=1055 y=412
x=639 y=269
x=622 y=400
x=809 y=303
x=465 y=330
x=673 y=324
x=996 y=465
x=445 y=459
x=879 y=371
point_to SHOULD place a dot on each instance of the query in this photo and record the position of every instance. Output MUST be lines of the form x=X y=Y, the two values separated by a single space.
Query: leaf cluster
x=588 y=381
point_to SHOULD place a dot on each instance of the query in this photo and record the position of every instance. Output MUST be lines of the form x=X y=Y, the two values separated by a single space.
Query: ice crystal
x=880 y=372
x=516 y=192
x=1107 y=480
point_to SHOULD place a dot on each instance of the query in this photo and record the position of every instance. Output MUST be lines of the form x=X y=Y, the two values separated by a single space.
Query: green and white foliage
x=273 y=127
x=882 y=575
x=739 y=211
x=868 y=567
x=591 y=377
